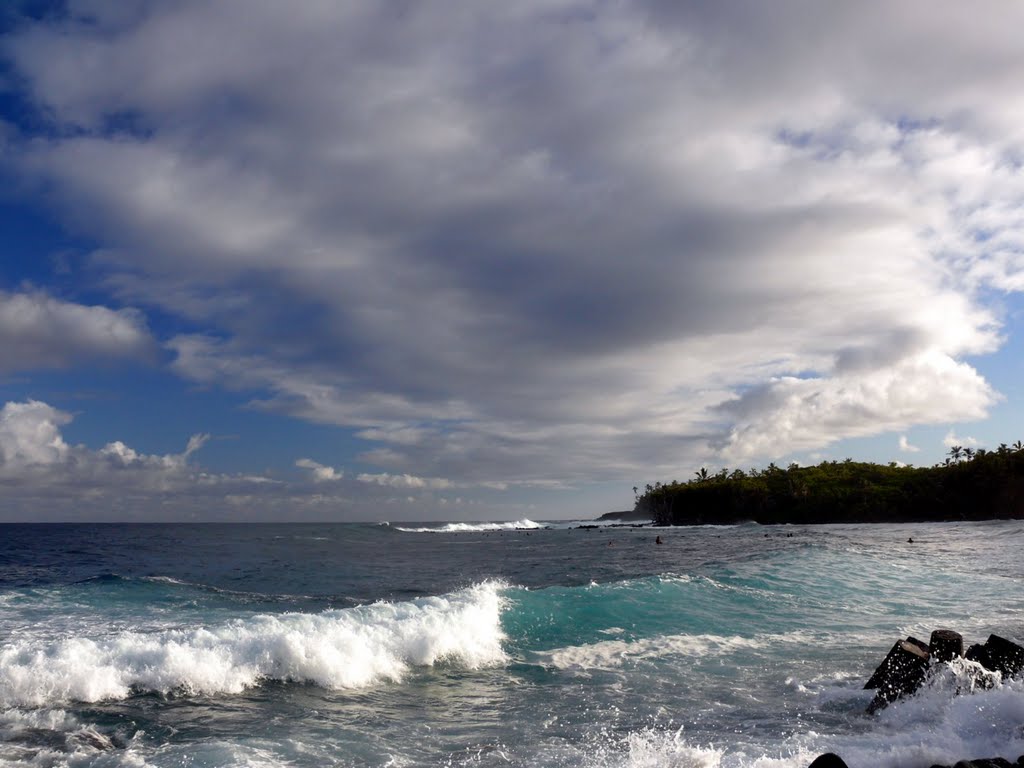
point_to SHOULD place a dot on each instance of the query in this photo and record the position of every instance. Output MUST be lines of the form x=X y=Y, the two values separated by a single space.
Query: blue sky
x=351 y=261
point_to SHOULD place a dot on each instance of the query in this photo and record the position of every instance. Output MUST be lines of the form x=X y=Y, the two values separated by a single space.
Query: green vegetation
x=969 y=485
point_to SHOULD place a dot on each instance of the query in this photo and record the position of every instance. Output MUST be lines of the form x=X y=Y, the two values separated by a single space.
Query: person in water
x=658 y=540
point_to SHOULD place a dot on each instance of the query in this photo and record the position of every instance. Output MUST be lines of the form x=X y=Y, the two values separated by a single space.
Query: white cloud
x=32 y=449
x=951 y=439
x=805 y=413
x=195 y=443
x=906 y=447
x=30 y=436
x=39 y=331
x=320 y=472
x=405 y=481
x=524 y=244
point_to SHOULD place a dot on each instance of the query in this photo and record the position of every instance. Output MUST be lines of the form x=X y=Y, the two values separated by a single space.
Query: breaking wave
x=517 y=525
x=347 y=648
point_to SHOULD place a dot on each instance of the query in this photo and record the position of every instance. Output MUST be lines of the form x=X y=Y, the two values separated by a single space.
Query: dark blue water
x=273 y=645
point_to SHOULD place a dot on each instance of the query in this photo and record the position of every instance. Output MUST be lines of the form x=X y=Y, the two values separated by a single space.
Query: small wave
x=649 y=747
x=517 y=525
x=155 y=581
x=116 y=578
x=51 y=736
x=165 y=580
x=103 y=578
x=346 y=648
x=240 y=595
x=609 y=654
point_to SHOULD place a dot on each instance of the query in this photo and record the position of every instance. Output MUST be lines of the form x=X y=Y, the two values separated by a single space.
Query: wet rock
x=828 y=760
x=978 y=653
x=983 y=762
x=1004 y=656
x=909 y=662
x=900 y=673
x=998 y=655
x=945 y=645
x=892 y=659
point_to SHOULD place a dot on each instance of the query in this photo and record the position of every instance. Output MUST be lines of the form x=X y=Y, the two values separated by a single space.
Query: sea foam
x=947 y=720
x=516 y=525
x=609 y=654
x=348 y=648
x=934 y=726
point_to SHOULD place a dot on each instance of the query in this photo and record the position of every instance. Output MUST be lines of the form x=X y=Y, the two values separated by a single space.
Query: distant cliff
x=969 y=485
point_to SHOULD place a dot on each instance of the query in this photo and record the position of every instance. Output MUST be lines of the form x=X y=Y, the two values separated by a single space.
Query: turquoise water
x=392 y=645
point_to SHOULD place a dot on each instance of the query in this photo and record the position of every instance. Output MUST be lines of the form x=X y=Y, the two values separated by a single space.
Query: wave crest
x=348 y=648
x=516 y=525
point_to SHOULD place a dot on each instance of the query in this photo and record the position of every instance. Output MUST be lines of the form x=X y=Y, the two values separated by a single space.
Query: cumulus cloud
x=33 y=450
x=805 y=413
x=906 y=446
x=39 y=331
x=320 y=472
x=30 y=436
x=552 y=243
x=951 y=440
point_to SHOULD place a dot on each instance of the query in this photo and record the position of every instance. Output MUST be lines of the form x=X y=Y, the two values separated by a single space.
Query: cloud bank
x=45 y=478
x=547 y=243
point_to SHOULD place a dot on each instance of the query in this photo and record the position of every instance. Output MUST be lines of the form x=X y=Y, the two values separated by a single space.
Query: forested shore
x=968 y=485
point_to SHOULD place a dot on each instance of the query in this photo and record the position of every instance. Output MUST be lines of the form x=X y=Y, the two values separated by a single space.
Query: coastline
x=988 y=486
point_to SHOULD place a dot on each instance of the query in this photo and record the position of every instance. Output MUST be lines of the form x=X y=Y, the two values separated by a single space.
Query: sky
x=455 y=260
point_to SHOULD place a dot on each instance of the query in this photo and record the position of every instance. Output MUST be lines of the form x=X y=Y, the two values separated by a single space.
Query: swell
x=839 y=603
x=167 y=586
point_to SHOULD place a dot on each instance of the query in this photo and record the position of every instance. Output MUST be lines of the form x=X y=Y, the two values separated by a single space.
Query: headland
x=969 y=485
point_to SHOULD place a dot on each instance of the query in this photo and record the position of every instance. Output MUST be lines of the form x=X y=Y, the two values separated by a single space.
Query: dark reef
x=628 y=514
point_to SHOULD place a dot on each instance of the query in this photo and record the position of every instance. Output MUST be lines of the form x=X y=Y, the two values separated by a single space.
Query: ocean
x=496 y=644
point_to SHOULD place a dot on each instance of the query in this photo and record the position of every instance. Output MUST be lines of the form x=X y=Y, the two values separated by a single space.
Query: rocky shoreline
x=832 y=760
x=911 y=662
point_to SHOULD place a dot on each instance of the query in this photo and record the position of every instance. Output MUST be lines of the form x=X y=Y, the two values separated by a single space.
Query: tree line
x=970 y=484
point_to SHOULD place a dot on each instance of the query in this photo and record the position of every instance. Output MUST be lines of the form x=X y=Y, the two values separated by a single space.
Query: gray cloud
x=552 y=243
x=39 y=331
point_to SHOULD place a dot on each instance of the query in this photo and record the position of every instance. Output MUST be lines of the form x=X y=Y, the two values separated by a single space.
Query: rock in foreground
x=909 y=662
